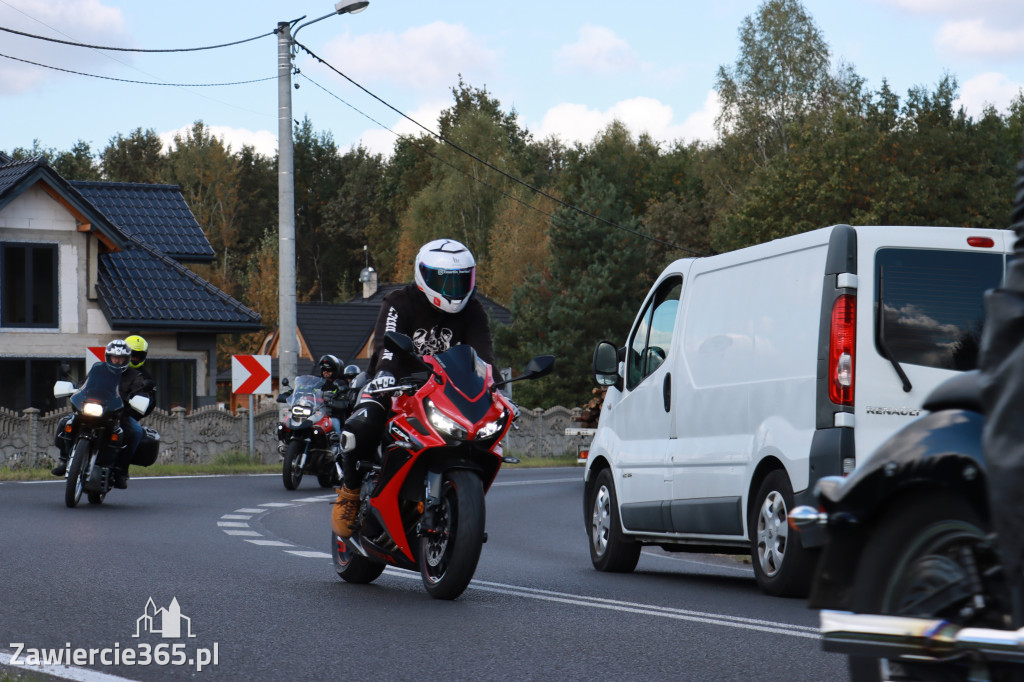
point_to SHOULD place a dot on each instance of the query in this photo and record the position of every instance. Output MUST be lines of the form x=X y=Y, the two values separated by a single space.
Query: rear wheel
x=450 y=551
x=291 y=468
x=918 y=563
x=610 y=549
x=352 y=567
x=73 y=486
x=782 y=566
x=326 y=480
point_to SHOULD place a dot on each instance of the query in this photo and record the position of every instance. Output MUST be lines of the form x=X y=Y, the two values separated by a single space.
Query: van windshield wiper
x=882 y=344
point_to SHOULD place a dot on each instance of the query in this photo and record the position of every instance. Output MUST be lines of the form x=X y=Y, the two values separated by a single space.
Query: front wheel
x=73 y=486
x=782 y=566
x=352 y=567
x=922 y=561
x=610 y=550
x=291 y=468
x=450 y=550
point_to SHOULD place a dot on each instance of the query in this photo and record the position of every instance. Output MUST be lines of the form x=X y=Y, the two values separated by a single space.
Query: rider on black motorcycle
x=1002 y=364
x=438 y=311
x=127 y=358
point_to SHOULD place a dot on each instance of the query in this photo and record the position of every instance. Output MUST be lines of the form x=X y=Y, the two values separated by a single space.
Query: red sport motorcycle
x=422 y=503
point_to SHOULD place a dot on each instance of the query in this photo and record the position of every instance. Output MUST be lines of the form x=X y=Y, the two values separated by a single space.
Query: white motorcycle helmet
x=446 y=274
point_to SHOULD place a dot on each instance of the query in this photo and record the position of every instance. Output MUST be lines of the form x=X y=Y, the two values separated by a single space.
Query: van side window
x=651 y=341
x=931 y=304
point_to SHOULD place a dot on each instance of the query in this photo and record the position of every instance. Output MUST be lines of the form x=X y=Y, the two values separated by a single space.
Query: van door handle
x=666 y=391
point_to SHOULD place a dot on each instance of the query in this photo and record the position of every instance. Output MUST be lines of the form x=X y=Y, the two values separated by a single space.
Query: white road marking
x=270 y=543
x=63 y=672
x=249 y=511
x=773 y=627
x=277 y=504
x=579 y=479
x=315 y=499
x=748 y=571
x=247 y=533
x=309 y=555
x=232 y=524
x=236 y=517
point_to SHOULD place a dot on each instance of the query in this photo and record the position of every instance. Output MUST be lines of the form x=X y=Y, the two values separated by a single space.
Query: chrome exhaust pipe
x=923 y=639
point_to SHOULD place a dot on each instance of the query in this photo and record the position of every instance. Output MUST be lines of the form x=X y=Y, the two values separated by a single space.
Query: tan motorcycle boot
x=344 y=512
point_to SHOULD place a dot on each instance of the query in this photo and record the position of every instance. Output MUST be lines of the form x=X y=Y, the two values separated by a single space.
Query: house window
x=28 y=275
x=175 y=383
x=28 y=382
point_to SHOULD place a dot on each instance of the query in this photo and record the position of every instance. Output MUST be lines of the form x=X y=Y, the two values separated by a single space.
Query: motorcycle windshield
x=101 y=386
x=467 y=377
x=308 y=391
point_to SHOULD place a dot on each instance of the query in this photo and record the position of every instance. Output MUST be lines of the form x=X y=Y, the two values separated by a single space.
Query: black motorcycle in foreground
x=909 y=582
x=94 y=436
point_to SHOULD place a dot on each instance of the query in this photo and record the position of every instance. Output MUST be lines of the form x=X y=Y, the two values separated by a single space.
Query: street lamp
x=288 y=342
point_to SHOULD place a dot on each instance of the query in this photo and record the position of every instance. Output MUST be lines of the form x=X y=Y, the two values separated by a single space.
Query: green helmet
x=139 y=349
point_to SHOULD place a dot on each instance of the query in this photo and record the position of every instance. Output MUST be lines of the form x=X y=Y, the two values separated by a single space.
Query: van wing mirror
x=606 y=365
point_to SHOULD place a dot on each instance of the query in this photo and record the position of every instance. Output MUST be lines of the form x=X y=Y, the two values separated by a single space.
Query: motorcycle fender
x=939 y=450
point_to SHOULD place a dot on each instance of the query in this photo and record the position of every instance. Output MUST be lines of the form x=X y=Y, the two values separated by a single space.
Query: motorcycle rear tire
x=290 y=471
x=73 y=485
x=352 y=567
x=448 y=560
x=912 y=554
x=326 y=480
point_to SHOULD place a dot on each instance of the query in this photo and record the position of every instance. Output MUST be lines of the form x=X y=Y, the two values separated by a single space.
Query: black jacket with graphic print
x=433 y=331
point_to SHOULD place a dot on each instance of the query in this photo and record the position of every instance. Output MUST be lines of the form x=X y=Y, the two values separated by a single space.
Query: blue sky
x=567 y=67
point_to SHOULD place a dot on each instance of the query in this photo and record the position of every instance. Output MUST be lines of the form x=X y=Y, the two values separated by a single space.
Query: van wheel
x=610 y=550
x=782 y=567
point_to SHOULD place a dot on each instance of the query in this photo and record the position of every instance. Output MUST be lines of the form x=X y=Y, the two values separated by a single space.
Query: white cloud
x=988 y=88
x=598 y=50
x=976 y=38
x=263 y=141
x=425 y=58
x=380 y=141
x=83 y=21
x=578 y=123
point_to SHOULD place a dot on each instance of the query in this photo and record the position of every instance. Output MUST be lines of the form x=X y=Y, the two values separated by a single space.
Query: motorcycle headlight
x=491 y=429
x=93 y=409
x=300 y=412
x=443 y=422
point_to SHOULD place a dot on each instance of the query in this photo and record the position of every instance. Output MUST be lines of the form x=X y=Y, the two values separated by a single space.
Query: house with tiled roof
x=82 y=263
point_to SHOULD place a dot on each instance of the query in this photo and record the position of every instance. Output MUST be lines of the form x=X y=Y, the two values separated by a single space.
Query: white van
x=749 y=375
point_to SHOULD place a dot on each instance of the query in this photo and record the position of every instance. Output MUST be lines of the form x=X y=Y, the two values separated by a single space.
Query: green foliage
x=136 y=158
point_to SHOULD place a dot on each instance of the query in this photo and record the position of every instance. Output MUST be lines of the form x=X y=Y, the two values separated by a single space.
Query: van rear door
x=920 y=310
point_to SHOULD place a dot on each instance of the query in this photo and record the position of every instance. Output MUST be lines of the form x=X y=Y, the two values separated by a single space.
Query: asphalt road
x=246 y=562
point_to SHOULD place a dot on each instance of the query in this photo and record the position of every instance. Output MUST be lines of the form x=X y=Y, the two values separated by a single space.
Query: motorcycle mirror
x=284 y=381
x=535 y=369
x=403 y=345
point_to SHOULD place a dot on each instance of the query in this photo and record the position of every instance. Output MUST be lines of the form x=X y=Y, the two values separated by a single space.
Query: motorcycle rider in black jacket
x=437 y=311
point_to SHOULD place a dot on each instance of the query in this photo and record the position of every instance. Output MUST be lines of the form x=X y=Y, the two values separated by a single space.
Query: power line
x=133 y=49
x=426 y=151
x=126 y=80
x=493 y=167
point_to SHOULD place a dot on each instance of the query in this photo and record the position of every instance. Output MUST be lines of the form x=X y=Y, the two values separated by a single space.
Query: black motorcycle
x=93 y=437
x=909 y=581
x=304 y=435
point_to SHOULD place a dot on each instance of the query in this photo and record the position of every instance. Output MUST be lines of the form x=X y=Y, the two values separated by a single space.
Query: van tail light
x=981 y=242
x=842 y=350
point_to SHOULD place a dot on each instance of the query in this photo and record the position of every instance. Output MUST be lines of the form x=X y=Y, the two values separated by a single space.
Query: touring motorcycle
x=305 y=435
x=422 y=502
x=93 y=436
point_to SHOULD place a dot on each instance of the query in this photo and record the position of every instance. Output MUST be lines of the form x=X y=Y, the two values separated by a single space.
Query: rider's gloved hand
x=383 y=380
x=515 y=410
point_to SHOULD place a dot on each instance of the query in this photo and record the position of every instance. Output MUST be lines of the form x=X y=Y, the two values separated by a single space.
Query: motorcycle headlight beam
x=93 y=409
x=443 y=422
x=491 y=429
